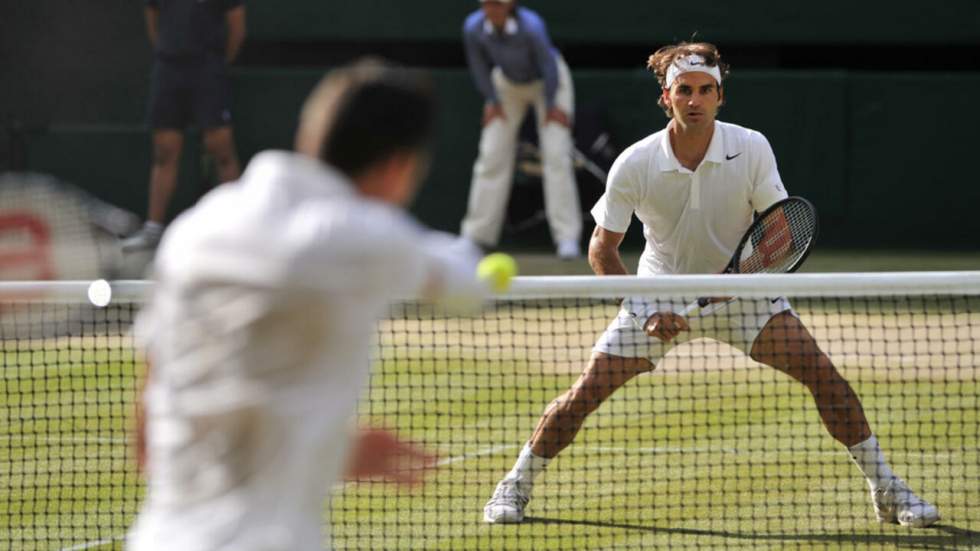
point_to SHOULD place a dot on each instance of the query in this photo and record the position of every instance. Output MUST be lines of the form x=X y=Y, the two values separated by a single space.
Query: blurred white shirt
x=259 y=331
x=692 y=220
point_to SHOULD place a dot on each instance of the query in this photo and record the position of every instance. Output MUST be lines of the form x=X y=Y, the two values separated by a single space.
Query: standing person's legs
x=167 y=144
x=560 y=192
x=168 y=114
x=212 y=113
x=163 y=172
x=563 y=418
x=220 y=145
x=622 y=352
x=785 y=344
x=556 y=429
x=494 y=168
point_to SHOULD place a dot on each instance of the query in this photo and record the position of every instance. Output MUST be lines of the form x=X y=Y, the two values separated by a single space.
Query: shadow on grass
x=939 y=536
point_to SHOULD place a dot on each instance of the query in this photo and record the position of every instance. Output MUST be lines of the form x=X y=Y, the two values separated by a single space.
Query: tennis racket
x=777 y=242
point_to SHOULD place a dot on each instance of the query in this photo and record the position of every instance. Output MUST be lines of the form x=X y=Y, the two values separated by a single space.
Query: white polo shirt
x=259 y=332
x=692 y=220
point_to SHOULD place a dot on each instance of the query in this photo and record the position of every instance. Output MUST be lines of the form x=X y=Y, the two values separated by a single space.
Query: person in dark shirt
x=193 y=42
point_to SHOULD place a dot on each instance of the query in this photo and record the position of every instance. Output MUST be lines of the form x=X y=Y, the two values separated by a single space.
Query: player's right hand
x=379 y=454
x=665 y=325
x=492 y=111
x=555 y=114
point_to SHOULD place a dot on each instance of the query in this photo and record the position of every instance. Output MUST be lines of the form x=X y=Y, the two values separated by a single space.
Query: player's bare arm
x=604 y=255
x=235 y=21
x=139 y=439
x=380 y=454
x=555 y=114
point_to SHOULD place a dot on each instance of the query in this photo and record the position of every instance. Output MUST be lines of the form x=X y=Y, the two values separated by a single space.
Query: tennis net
x=709 y=450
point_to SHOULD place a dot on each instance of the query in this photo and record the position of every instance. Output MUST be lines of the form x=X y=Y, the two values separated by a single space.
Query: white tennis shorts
x=737 y=323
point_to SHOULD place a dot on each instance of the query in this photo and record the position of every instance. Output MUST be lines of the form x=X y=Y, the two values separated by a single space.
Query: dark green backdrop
x=885 y=154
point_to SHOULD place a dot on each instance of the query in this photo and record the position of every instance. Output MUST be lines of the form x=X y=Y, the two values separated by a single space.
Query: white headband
x=691 y=64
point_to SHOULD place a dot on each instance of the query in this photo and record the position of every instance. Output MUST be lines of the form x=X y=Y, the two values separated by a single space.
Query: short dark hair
x=363 y=113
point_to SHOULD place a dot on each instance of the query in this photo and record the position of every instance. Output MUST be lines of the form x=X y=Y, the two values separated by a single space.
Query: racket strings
x=779 y=240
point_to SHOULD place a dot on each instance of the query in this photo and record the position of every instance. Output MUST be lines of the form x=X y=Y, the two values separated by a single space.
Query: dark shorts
x=186 y=92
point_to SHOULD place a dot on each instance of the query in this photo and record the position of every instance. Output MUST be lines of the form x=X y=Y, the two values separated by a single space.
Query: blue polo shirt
x=191 y=28
x=523 y=52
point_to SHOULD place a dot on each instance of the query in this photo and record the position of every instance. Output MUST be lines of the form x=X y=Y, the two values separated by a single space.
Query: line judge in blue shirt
x=515 y=66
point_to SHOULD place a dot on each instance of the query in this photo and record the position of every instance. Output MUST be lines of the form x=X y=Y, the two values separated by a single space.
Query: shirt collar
x=510 y=27
x=715 y=153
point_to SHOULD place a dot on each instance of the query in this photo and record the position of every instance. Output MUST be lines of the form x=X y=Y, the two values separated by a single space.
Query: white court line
x=480 y=453
x=92 y=544
x=659 y=449
x=736 y=451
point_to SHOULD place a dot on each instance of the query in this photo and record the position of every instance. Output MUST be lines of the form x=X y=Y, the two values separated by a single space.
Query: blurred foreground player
x=695 y=186
x=259 y=329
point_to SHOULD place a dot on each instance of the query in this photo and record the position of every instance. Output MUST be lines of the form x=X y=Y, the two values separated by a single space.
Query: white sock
x=527 y=467
x=868 y=457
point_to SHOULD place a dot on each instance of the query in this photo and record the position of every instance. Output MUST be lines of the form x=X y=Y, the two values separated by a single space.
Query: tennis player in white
x=261 y=322
x=695 y=186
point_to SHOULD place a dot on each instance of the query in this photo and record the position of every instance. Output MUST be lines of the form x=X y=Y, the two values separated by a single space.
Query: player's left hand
x=378 y=453
x=555 y=114
x=665 y=325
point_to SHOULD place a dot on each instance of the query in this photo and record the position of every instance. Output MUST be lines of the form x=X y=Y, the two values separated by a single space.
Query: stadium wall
x=883 y=153
x=634 y=21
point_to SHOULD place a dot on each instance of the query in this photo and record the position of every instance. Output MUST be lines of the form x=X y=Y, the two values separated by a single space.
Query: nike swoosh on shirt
x=730 y=157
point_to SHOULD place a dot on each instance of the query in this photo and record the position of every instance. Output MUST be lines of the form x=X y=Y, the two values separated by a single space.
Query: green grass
x=716 y=459
x=713 y=458
x=710 y=459
x=66 y=473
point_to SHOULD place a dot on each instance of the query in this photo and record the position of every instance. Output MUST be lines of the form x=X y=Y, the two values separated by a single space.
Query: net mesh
x=709 y=450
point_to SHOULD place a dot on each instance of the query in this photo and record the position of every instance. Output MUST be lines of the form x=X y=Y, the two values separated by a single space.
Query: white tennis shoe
x=897 y=504
x=507 y=504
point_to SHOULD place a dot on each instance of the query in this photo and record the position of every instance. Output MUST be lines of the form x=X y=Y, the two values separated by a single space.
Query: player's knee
x=221 y=149
x=165 y=154
x=491 y=163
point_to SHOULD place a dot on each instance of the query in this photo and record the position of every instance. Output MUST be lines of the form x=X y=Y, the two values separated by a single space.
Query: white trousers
x=493 y=171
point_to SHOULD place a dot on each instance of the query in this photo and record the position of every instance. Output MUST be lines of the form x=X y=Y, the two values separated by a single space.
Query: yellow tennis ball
x=497 y=269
